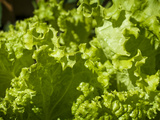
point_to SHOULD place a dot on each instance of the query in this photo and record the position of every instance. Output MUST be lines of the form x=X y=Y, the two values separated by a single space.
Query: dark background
x=20 y=9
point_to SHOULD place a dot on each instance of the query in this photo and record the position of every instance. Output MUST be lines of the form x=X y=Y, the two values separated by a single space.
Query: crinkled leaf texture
x=87 y=63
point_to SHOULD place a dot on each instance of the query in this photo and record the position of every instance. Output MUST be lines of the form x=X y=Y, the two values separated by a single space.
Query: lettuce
x=93 y=62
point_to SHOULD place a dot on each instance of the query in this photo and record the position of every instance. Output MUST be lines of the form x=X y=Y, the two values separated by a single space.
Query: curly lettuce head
x=93 y=62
